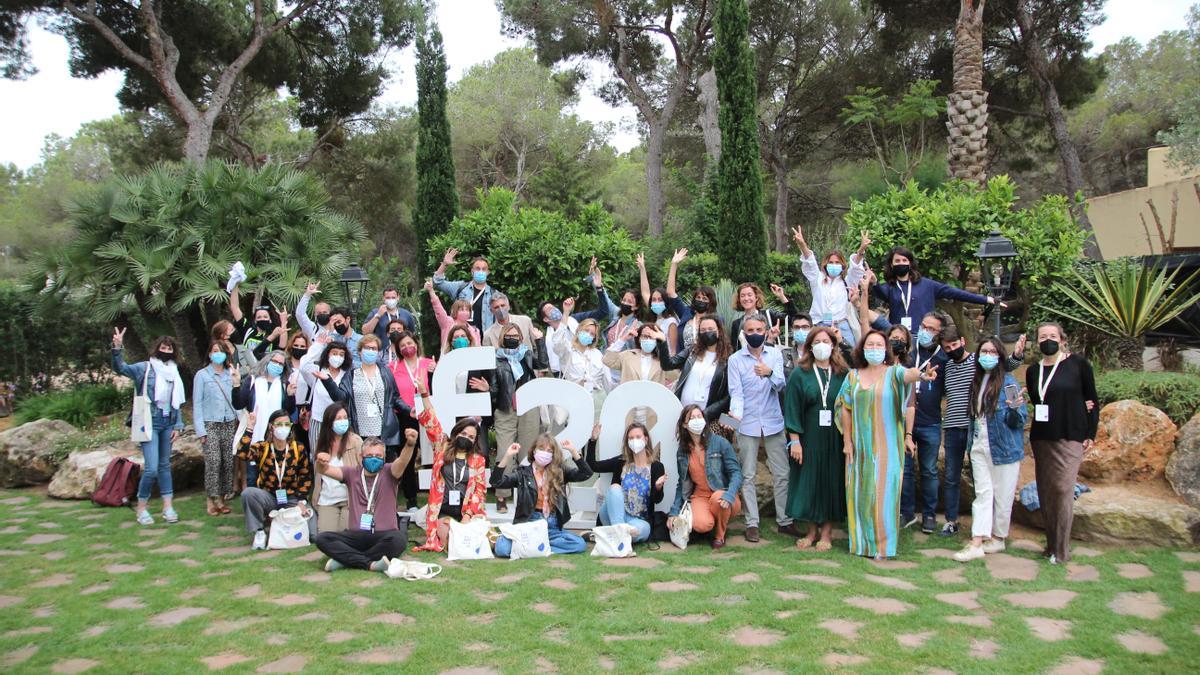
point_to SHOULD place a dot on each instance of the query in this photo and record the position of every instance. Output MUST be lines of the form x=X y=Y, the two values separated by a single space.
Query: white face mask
x=282 y=433
x=696 y=425
x=336 y=361
x=637 y=445
x=822 y=350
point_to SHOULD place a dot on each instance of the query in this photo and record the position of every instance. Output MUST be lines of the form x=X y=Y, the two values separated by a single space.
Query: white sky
x=54 y=102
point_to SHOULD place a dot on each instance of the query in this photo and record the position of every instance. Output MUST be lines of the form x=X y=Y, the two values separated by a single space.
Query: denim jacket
x=137 y=372
x=721 y=468
x=463 y=290
x=212 y=398
x=1006 y=430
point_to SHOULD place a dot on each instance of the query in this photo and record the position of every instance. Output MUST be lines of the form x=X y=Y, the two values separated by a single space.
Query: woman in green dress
x=873 y=398
x=817 y=480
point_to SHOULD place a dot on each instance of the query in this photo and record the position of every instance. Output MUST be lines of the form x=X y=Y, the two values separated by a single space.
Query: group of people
x=850 y=406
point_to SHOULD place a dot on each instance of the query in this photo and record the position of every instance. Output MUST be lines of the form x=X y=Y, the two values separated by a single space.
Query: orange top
x=696 y=471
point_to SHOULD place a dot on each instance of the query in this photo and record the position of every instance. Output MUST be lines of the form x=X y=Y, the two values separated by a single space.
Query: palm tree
x=966 y=106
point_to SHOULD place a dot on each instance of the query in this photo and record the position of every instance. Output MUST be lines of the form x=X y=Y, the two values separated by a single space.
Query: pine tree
x=437 y=191
x=742 y=242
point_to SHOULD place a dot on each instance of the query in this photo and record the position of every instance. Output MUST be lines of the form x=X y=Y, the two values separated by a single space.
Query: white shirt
x=320 y=397
x=333 y=491
x=567 y=325
x=695 y=389
x=583 y=368
x=830 y=296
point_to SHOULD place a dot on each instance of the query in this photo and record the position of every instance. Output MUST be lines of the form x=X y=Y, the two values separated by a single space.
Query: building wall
x=1118 y=218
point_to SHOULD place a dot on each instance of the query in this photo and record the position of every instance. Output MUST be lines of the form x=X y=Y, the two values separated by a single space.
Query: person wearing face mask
x=910 y=296
x=215 y=421
x=458 y=483
x=477 y=292
x=568 y=319
x=626 y=318
x=704 y=300
x=755 y=382
x=873 y=403
x=1066 y=413
x=709 y=476
x=379 y=318
x=635 y=356
x=748 y=299
x=582 y=363
x=920 y=471
x=801 y=326
x=703 y=378
x=297 y=350
x=541 y=487
x=502 y=312
x=253 y=334
x=371 y=394
x=332 y=359
x=159 y=378
x=322 y=312
x=373 y=536
x=408 y=367
x=267 y=391
x=661 y=312
x=998 y=415
x=344 y=333
x=637 y=481
x=516 y=364
x=817 y=479
x=831 y=282
x=460 y=313
x=343 y=449
x=284 y=478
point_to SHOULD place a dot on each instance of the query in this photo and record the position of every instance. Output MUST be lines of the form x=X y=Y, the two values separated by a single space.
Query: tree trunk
x=1072 y=168
x=966 y=106
x=196 y=143
x=1129 y=353
x=779 y=166
x=654 y=166
x=709 y=120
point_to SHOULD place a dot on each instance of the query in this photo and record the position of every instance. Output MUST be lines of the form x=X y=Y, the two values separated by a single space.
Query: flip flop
x=823 y=546
x=803 y=543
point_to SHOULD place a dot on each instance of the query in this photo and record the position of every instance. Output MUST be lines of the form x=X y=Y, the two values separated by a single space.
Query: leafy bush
x=1176 y=394
x=79 y=406
x=55 y=336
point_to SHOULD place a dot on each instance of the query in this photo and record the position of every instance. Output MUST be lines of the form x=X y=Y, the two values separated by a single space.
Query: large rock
x=1183 y=468
x=1115 y=515
x=79 y=475
x=1133 y=443
x=27 y=452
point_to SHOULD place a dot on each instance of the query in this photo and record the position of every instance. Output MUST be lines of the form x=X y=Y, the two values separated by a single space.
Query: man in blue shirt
x=379 y=318
x=756 y=379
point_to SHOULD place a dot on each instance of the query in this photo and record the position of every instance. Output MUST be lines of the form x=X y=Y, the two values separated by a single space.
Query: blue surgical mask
x=372 y=464
x=274 y=369
x=369 y=356
x=479 y=276
x=875 y=356
x=988 y=361
x=648 y=345
x=217 y=358
x=833 y=269
x=658 y=307
x=556 y=314
x=801 y=336
x=925 y=338
x=460 y=342
x=341 y=426
x=586 y=339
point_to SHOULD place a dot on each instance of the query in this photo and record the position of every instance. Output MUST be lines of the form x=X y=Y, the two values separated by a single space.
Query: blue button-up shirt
x=755 y=399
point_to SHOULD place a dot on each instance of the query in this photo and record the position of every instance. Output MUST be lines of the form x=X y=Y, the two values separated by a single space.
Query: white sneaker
x=993 y=546
x=144 y=518
x=381 y=565
x=969 y=553
x=260 y=541
x=1053 y=559
x=332 y=565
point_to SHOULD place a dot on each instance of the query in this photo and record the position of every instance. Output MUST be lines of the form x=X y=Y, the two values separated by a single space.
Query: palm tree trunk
x=1129 y=352
x=966 y=106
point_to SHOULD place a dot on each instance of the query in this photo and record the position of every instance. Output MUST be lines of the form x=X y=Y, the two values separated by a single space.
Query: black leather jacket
x=718 y=389
x=520 y=477
x=503 y=384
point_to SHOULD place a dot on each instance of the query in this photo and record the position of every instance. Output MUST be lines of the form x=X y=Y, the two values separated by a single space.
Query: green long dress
x=816 y=488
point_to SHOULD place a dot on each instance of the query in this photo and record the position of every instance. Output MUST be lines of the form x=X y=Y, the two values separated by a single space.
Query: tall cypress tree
x=437 y=191
x=742 y=240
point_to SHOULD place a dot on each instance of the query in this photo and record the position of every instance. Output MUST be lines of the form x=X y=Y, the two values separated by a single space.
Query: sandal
x=225 y=509
x=212 y=509
x=823 y=546
x=803 y=542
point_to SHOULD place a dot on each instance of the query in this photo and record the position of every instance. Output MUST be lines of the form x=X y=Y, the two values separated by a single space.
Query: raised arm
x=439 y=312
x=947 y=292
x=645 y=280
x=235 y=303
x=680 y=256
x=307 y=326
x=798 y=237
x=410 y=444
x=324 y=469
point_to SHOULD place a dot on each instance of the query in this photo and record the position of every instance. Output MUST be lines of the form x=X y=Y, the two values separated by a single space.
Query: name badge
x=281 y=496
x=825 y=418
x=372 y=410
x=1041 y=413
x=366 y=522
x=906 y=321
x=454 y=497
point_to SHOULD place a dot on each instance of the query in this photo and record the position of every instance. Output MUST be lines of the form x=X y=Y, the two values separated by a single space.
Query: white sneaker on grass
x=331 y=565
x=380 y=565
x=260 y=541
x=969 y=553
x=144 y=518
x=993 y=546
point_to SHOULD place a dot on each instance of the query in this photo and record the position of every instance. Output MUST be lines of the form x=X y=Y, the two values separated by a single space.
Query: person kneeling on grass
x=709 y=476
x=284 y=479
x=374 y=536
x=541 y=489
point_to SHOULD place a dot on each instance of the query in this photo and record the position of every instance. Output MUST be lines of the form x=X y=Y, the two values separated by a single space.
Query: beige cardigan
x=351 y=456
x=629 y=363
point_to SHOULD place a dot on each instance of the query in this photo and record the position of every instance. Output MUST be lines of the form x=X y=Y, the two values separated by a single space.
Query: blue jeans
x=928 y=439
x=955 y=442
x=561 y=542
x=156 y=456
x=614 y=513
x=844 y=326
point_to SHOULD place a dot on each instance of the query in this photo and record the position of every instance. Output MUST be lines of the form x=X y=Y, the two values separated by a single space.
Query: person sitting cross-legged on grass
x=374 y=535
x=637 y=481
x=285 y=476
x=541 y=491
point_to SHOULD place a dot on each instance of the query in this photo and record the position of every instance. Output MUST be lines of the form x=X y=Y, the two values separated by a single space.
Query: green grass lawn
x=105 y=592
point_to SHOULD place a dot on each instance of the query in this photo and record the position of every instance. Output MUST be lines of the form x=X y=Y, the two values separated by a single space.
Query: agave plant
x=1126 y=301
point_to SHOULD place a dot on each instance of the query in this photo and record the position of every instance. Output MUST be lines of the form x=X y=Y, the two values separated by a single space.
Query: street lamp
x=997 y=261
x=354 y=280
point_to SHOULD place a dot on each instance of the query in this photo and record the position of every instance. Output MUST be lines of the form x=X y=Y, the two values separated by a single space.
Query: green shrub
x=80 y=406
x=1176 y=394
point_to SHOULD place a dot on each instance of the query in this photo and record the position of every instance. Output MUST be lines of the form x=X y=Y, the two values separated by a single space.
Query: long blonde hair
x=556 y=486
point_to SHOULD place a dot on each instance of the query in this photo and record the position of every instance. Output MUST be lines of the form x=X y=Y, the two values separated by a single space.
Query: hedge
x=1176 y=394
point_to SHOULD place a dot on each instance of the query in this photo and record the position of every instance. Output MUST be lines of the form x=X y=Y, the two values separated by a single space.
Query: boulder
x=79 y=475
x=1115 y=515
x=1133 y=443
x=1183 y=468
x=27 y=452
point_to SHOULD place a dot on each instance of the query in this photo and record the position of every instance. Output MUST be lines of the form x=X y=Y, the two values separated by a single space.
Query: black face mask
x=756 y=340
x=709 y=338
x=323 y=319
x=341 y=328
x=957 y=353
x=263 y=325
x=394 y=336
x=164 y=356
x=699 y=306
x=463 y=443
x=901 y=270
x=898 y=346
x=626 y=309
x=511 y=342
x=1048 y=347
x=298 y=352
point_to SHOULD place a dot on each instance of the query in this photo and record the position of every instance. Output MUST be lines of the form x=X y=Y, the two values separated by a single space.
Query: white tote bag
x=141 y=419
x=469 y=541
x=412 y=570
x=613 y=541
x=529 y=540
x=683 y=526
x=289 y=528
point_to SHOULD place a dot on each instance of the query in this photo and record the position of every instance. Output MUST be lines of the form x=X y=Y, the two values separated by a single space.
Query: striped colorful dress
x=876 y=473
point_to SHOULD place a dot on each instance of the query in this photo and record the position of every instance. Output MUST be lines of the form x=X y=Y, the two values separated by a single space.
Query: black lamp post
x=997 y=261
x=354 y=281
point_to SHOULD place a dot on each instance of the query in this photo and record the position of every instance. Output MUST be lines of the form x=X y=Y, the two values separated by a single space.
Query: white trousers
x=995 y=485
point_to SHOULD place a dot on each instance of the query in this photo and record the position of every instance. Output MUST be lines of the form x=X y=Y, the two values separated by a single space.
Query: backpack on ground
x=118 y=485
